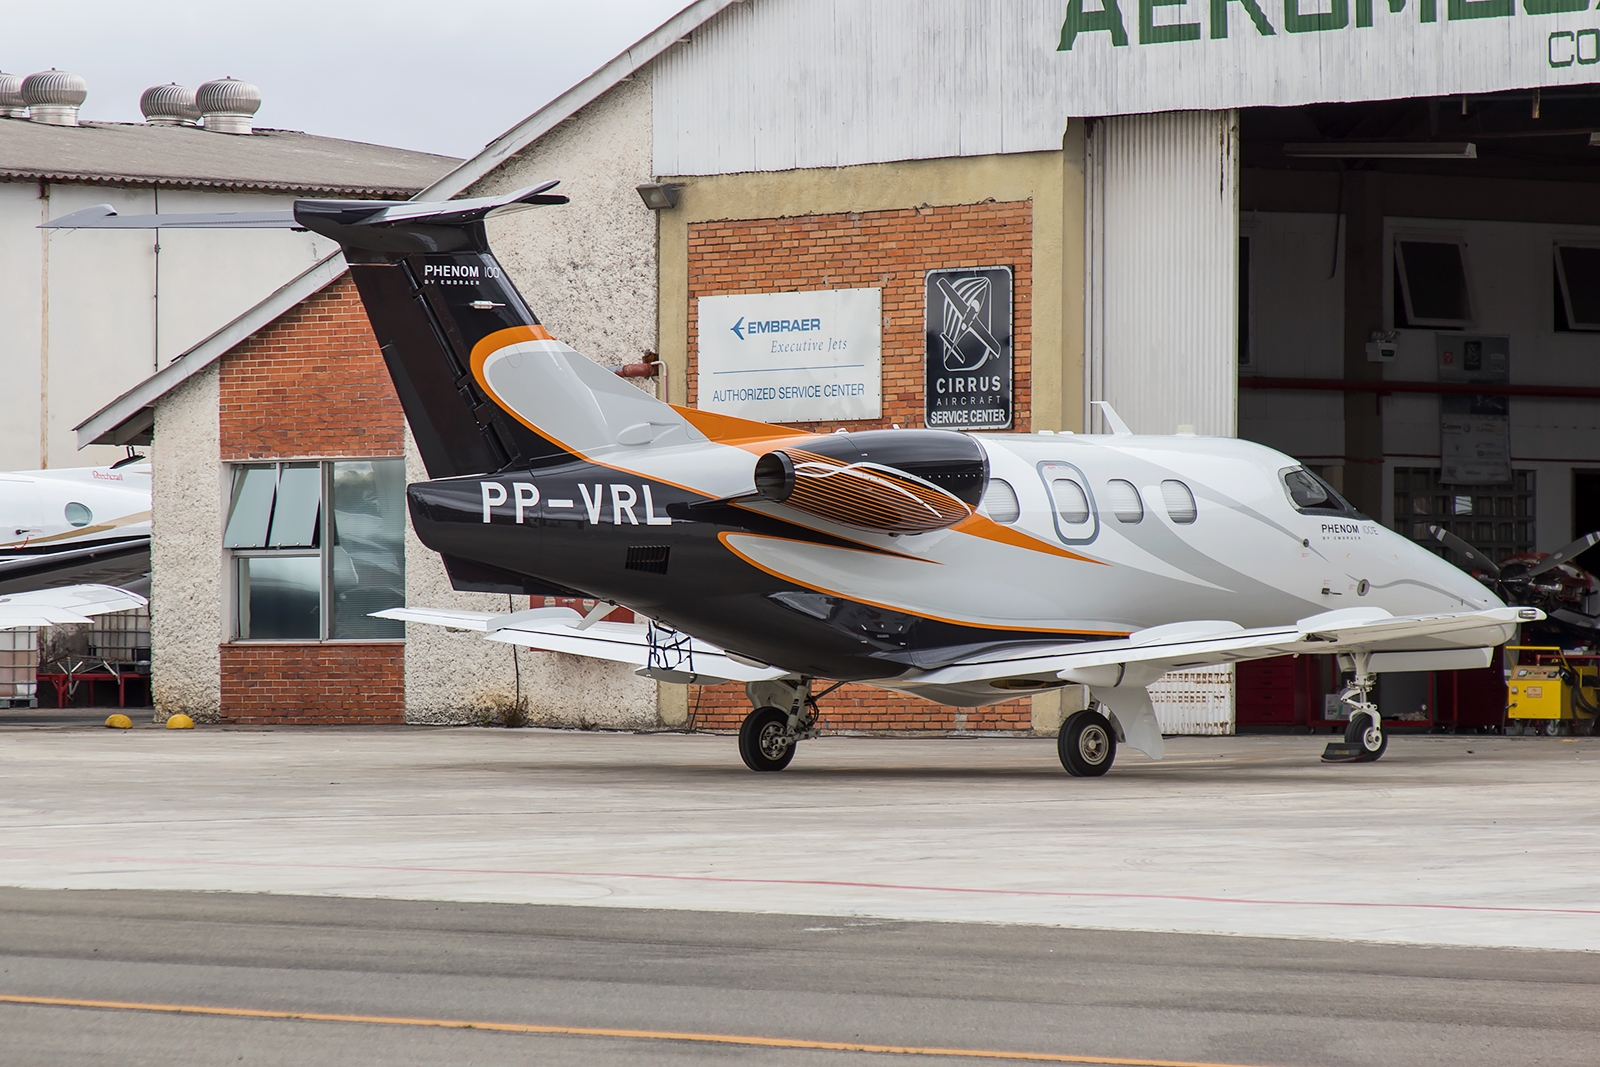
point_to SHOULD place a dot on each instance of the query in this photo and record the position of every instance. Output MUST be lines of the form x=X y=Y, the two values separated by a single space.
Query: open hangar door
x=1419 y=323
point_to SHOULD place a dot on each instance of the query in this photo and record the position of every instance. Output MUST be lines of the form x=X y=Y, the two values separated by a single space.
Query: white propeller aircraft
x=964 y=568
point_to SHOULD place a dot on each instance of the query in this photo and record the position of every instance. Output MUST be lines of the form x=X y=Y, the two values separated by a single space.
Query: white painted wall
x=78 y=314
x=588 y=269
x=187 y=594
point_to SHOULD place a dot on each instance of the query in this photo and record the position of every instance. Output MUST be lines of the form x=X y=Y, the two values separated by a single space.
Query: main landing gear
x=785 y=714
x=1365 y=739
x=1087 y=744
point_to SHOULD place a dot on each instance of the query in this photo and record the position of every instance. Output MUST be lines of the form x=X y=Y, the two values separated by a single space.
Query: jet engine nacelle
x=893 y=481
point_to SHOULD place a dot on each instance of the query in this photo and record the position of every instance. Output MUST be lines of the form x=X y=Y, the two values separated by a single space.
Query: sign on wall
x=792 y=357
x=967 y=329
x=1474 y=430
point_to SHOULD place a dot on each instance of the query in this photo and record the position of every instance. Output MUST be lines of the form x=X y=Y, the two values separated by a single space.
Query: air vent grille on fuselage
x=652 y=559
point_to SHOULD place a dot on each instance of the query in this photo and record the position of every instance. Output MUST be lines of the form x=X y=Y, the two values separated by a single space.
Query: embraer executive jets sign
x=1130 y=56
x=792 y=357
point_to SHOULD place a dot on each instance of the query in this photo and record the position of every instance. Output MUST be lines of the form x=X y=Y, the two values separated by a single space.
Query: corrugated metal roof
x=185 y=156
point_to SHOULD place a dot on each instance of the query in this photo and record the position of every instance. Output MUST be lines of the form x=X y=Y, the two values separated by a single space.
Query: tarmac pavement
x=1481 y=841
x=206 y=978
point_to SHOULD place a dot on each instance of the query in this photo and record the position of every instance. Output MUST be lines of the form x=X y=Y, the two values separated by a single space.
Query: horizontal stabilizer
x=105 y=217
x=321 y=213
x=658 y=652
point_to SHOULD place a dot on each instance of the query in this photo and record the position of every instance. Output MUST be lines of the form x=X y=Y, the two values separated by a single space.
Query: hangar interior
x=1419 y=322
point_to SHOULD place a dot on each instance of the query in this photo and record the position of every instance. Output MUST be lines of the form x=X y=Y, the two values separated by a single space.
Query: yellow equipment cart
x=1556 y=693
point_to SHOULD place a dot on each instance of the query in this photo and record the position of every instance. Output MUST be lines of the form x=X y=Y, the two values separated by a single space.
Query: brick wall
x=327 y=685
x=312 y=384
x=890 y=250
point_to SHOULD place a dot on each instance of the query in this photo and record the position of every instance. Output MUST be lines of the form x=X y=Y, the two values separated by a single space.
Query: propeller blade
x=1472 y=555
x=1588 y=540
x=1576 y=619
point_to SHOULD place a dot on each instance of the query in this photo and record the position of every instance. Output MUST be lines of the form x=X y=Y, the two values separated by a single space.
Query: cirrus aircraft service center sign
x=792 y=357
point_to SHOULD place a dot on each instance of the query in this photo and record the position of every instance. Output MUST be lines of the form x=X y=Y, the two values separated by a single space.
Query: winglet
x=1113 y=420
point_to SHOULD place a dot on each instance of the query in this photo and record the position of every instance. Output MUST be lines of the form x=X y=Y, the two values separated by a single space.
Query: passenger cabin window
x=1000 y=502
x=1577 y=287
x=1313 y=496
x=1124 y=500
x=1433 y=283
x=1179 y=501
x=1071 y=502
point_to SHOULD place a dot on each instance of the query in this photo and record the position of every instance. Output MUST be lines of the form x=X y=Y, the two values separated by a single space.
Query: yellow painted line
x=601 y=1031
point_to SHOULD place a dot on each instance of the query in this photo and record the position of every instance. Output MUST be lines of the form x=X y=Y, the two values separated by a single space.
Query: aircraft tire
x=1359 y=733
x=758 y=739
x=1087 y=745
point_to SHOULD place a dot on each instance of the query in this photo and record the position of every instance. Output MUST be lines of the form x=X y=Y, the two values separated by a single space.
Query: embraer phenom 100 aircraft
x=964 y=568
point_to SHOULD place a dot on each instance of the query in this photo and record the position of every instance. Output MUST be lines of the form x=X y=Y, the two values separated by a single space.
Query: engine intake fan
x=892 y=481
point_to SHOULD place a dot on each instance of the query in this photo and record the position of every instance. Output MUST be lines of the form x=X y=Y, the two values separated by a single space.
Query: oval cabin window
x=1124 y=500
x=1179 y=501
x=79 y=514
x=1000 y=502
x=1072 y=503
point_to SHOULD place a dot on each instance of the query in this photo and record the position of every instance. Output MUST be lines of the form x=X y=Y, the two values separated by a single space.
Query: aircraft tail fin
x=483 y=383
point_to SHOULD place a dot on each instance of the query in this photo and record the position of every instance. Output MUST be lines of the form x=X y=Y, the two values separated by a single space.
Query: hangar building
x=1360 y=233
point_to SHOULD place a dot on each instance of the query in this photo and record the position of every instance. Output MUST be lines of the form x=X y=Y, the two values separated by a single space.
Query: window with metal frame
x=1577 y=285
x=1071 y=503
x=304 y=571
x=1433 y=282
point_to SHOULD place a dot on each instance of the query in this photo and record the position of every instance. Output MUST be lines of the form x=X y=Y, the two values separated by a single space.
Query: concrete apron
x=1451 y=841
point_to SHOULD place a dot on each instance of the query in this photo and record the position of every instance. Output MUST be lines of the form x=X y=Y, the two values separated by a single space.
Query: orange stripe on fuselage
x=982 y=526
x=758 y=565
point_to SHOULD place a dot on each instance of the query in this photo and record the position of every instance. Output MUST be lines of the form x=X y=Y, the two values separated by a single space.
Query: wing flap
x=667 y=656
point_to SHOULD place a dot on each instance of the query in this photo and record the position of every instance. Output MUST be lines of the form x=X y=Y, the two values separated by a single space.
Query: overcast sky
x=437 y=76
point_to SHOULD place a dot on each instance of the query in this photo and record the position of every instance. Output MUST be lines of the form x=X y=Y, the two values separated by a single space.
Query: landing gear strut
x=785 y=714
x=1365 y=739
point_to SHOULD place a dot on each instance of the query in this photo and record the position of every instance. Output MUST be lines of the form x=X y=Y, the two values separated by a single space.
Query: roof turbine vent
x=12 y=106
x=54 y=96
x=228 y=105
x=169 y=105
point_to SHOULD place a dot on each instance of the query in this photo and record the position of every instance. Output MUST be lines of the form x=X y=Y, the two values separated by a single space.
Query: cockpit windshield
x=1313 y=495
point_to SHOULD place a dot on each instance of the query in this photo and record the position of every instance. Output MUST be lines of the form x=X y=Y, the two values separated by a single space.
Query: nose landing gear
x=1365 y=739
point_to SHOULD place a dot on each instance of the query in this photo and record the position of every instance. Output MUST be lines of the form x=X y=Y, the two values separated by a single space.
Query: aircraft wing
x=68 y=604
x=1208 y=643
x=657 y=652
x=1118 y=672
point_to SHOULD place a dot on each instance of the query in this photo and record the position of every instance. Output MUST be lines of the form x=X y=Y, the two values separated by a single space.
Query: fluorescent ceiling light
x=1383 y=150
